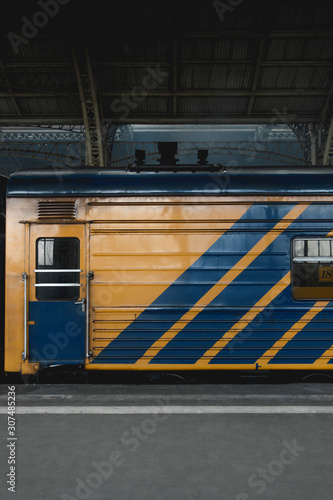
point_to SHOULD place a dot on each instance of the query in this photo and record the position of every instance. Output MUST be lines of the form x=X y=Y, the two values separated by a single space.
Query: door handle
x=83 y=303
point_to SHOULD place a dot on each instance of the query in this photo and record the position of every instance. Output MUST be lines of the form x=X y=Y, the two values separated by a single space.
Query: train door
x=57 y=294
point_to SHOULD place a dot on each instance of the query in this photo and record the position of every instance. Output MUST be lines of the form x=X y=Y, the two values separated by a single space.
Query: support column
x=328 y=151
x=90 y=110
x=313 y=137
x=303 y=134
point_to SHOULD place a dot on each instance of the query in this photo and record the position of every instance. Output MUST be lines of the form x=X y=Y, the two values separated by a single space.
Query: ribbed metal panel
x=56 y=210
x=197 y=46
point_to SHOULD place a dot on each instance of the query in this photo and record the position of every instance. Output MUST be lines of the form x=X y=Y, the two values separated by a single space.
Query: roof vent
x=168 y=150
x=56 y=210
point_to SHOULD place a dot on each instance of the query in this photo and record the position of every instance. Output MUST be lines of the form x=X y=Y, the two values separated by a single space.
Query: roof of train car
x=164 y=181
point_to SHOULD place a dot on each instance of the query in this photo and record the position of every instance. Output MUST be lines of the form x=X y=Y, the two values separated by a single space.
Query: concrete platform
x=171 y=442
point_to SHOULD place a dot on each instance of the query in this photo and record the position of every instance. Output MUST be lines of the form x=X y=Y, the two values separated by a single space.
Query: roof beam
x=275 y=63
x=19 y=67
x=182 y=93
x=296 y=33
x=158 y=118
x=224 y=35
x=216 y=118
x=223 y=93
x=11 y=120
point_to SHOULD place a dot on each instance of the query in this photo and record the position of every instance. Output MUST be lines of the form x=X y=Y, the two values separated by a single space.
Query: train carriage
x=3 y=184
x=162 y=270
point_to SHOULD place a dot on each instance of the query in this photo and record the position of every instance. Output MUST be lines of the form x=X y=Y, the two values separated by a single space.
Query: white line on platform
x=171 y=397
x=169 y=410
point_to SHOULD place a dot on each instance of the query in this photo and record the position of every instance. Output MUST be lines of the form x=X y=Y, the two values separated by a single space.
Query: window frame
x=311 y=260
x=77 y=271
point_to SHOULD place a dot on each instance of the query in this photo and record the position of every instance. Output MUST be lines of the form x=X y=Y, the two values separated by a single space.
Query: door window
x=57 y=269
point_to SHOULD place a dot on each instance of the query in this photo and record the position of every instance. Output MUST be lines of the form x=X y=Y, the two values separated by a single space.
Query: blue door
x=57 y=294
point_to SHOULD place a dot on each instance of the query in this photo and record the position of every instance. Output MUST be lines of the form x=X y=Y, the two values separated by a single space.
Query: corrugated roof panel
x=49 y=105
x=147 y=33
x=290 y=14
x=212 y=105
x=241 y=49
x=275 y=48
x=119 y=106
x=292 y=78
x=50 y=80
x=127 y=78
x=294 y=49
x=314 y=49
x=191 y=49
x=7 y=106
x=322 y=78
x=197 y=49
x=285 y=49
x=281 y=49
x=155 y=104
x=210 y=76
x=282 y=106
x=195 y=77
x=37 y=50
x=122 y=50
x=212 y=49
x=144 y=48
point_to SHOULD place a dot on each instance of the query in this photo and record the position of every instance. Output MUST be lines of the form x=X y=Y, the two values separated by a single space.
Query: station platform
x=169 y=442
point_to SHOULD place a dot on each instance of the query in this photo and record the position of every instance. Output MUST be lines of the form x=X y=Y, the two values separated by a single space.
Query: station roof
x=231 y=61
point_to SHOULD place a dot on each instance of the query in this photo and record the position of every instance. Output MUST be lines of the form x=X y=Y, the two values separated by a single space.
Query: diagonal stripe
x=290 y=334
x=324 y=358
x=236 y=270
x=169 y=298
x=245 y=320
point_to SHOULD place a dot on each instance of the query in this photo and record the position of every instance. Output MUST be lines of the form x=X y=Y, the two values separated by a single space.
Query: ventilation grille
x=56 y=210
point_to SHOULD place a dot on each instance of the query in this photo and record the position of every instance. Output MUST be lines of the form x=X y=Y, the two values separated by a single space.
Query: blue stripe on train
x=235 y=295
x=223 y=317
x=310 y=343
x=247 y=289
x=192 y=284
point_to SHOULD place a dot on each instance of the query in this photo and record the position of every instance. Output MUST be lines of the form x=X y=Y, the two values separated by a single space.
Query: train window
x=57 y=269
x=312 y=268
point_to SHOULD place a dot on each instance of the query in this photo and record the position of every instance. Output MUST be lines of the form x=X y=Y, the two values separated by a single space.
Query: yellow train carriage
x=120 y=270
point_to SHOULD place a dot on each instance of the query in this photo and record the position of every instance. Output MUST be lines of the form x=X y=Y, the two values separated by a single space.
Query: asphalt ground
x=239 y=441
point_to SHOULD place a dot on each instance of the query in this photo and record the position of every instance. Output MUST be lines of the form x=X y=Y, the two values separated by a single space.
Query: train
x=169 y=269
x=3 y=185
